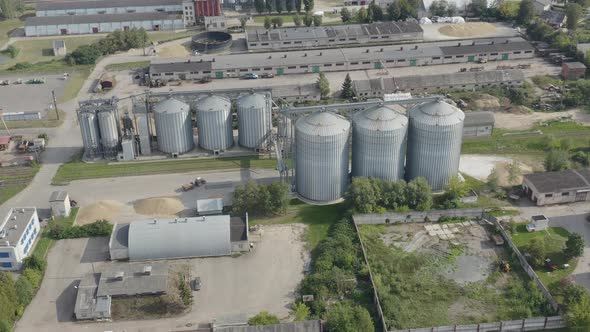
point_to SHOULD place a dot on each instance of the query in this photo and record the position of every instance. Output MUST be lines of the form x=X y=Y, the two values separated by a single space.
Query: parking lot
x=233 y=288
x=30 y=97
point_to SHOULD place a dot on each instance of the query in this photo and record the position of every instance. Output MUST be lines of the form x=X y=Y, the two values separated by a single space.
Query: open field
x=127 y=66
x=78 y=170
x=14 y=179
x=424 y=280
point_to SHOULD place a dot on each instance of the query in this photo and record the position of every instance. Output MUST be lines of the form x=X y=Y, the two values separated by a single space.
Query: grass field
x=14 y=180
x=77 y=170
x=163 y=36
x=127 y=66
x=6 y=26
x=317 y=217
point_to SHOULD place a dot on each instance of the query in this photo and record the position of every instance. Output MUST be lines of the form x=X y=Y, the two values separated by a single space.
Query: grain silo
x=90 y=133
x=109 y=133
x=214 y=120
x=434 y=142
x=322 y=156
x=379 y=137
x=254 y=120
x=173 y=126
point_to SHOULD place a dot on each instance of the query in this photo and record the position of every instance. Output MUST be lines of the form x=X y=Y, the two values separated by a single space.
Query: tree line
x=119 y=40
x=98 y=228
x=260 y=200
x=281 y=6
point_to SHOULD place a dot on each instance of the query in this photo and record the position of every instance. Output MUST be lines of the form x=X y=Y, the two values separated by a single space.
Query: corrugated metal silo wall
x=89 y=130
x=109 y=134
x=174 y=131
x=379 y=154
x=433 y=152
x=254 y=120
x=215 y=128
x=322 y=165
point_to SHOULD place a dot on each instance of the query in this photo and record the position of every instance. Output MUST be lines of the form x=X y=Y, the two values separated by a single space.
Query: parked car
x=197 y=284
x=249 y=76
x=267 y=75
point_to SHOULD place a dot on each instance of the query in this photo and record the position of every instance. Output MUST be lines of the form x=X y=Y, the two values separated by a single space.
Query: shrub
x=301 y=311
x=34 y=276
x=345 y=317
x=21 y=66
x=24 y=291
x=263 y=318
x=35 y=263
x=95 y=229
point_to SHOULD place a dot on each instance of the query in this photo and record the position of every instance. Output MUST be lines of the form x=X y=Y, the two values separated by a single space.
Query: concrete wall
x=75 y=29
x=529 y=324
x=414 y=216
x=476 y=131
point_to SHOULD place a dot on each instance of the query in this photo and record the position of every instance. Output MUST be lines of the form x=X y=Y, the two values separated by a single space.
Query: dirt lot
x=479 y=29
x=233 y=289
x=526 y=121
x=480 y=167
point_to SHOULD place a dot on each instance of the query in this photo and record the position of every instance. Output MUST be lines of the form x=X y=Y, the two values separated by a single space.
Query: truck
x=199 y=181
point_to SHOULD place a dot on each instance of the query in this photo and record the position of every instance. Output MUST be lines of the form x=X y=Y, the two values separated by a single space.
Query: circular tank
x=379 y=137
x=90 y=131
x=109 y=135
x=322 y=156
x=211 y=41
x=435 y=134
x=173 y=126
x=254 y=120
x=214 y=120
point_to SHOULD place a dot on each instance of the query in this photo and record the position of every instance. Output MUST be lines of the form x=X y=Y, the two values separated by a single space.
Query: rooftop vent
x=23 y=210
x=270 y=56
x=155 y=221
x=367 y=50
x=7 y=243
x=473 y=43
x=507 y=41
x=458 y=44
x=2 y=234
x=119 y=276
x=147 y=270
x=213 y=60
x=304 y=54
x=416 y=47
x=285 y=55
x=320 y=53
x=401 y=48
x=15 y=227
x=492 y=43
x=381 y=50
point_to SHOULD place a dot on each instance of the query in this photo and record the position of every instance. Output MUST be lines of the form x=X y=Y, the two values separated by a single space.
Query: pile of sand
x=467 y=29
x=486 y=102
x=158 y=206
x=106 y=209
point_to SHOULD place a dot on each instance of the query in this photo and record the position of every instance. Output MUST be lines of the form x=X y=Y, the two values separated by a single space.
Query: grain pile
x=158 y=206
x=107 y=209
x=467 y=29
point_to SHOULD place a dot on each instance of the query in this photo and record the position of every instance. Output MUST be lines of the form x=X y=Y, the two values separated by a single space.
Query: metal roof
x=65 y=5
x=85 y=306
x=479 y=118
x=209 y=205
x=120 y=237
x=380 y=118
x=179 y=238
x=553 y=17
x=436 y=113
x=349 y=30
x=171 y=105
x=58 y=195
x=239 y=231
x=496 y=45
x=15 y=224
x=322 y=124
x=179 y=66
x=128 y=279
x=213 y=103
x=550 y=182
x=100 y=18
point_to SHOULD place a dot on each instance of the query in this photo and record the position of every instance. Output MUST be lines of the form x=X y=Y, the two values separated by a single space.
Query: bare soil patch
x=467 y=29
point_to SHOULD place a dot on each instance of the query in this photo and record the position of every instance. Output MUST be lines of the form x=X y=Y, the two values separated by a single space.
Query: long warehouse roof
x=99 y=18
x=103 y=4
x=335 y=56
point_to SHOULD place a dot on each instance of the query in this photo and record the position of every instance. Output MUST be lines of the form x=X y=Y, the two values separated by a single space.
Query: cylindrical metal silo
x=90 y=132
x=254 y=120
x=434 y=142
x=322 y=156
x=214 y=121
x=173 y=126
x=379 y=143
x=109 y=134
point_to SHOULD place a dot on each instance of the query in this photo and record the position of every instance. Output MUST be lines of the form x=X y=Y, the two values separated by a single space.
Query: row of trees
x=260 y=200
x=279 y=6
x=114 y=42
x=560 y=157
x=98 y=228
x=395 y=11
x=11 y=8
x=307 y=20
x=372 y=195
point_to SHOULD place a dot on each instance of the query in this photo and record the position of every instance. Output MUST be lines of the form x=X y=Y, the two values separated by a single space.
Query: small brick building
x=573 y=70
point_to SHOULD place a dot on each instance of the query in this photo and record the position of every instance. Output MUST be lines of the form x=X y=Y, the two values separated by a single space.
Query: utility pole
x=55 y=104
x=4 y=122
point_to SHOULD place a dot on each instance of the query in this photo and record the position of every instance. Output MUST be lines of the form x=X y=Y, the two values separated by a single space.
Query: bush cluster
x=261 y=200
x=114 y=42
x=97 y=228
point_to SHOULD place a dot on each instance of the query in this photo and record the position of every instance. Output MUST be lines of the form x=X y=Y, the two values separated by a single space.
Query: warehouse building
x=218 y=235
x=345 y=59
x=332 y=36
x=478 y=124
x=18 y=233
x=96 y=290
x=103 y=16
x=376 y=88
x=557 y=187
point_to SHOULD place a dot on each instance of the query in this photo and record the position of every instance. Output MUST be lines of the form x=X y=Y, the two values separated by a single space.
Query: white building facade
x=18 y=233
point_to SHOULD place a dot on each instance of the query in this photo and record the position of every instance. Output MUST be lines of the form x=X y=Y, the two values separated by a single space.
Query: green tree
x=5 y=326
x=323 y=85
x=454 y=190
x=419 y=194
x=307 y=20
x=517 y=95
x=308 y=5
x=574 y=246
x=376 y=12
x=581 y=158
x=394 y=195
x=550 y=142
x=345 y=15
x=478 y=7
x=279 y=197
x=494 y=180
x=346 y=317
x=8 y=298
x=573 y=13
x=577 y=314
x=243 y=22
x=514 y=172
x=84 y=55
x=363 y=195
x=277 y=22
x=267 y=22
x=302 y=311
x=347 y=90
x=10 y=8
x=508 y=10
x=268 y=5
x=24 y=291
x=406 y=10
x=279 y=6
x=526 y=12
x=362 y=15
x=34 y=262
x=297 y=20
x=289 y=6
x=439 y=7
x=263 y=318
x=452 y=9
x=537 y=252
x=317 y=20
x=393 y=11
x=557 y=160
x=298 y=6
x=259 y=5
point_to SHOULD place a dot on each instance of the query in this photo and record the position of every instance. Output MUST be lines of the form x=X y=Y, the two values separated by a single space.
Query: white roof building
x=18 y=233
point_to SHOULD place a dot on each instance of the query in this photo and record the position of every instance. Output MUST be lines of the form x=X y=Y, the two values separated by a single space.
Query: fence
x=525 y=265
x=530 y=324
x=415 y=216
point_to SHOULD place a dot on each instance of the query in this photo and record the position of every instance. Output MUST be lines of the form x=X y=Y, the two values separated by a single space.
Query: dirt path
x=527 y=121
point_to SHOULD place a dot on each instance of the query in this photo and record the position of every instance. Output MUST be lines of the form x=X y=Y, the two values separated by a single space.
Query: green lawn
x=555 y=238
x=127 y=66
x=318 y=217
x=6 y=26
x=17 y=178
x=78 y=76
x=78 y=170
x=163 y=36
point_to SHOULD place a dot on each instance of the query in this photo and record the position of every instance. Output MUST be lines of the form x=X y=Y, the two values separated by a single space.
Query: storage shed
x=60 y=205
x=573 y=70
x=59 y=48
